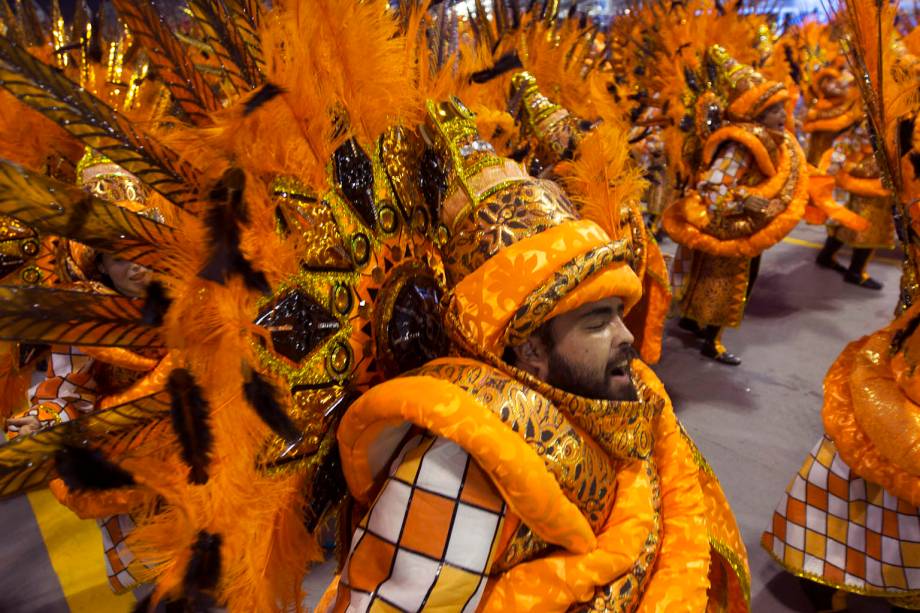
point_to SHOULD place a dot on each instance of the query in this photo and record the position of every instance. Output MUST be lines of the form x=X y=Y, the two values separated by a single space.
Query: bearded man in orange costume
x=541 y=467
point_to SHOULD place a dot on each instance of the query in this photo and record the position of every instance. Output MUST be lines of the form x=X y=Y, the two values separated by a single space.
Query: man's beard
x=575 y=380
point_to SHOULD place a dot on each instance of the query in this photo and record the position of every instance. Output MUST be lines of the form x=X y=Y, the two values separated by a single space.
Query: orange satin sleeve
x=821 y=204
x=834 y=124
x=853 y=444
x=556 y=582
x=862 y=187
x=681 y=578
x=889 y=418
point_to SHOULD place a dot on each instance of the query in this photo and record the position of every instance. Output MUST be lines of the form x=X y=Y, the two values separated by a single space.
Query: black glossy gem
x=327 y=488
x=298 y=324
x=354 y=175
x=432 y=182
x=416 y=333
x=713 y=117
x=9 y=264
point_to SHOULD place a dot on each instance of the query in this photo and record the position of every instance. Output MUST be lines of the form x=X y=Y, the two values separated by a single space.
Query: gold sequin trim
x=803 y=574
x=736 y=564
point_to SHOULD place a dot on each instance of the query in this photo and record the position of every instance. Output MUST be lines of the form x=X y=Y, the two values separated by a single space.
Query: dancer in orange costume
x=849 y=522
x=839 y=147
x=749 y=192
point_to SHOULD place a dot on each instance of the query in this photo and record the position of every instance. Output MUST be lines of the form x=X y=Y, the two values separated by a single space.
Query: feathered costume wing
x=296 y=267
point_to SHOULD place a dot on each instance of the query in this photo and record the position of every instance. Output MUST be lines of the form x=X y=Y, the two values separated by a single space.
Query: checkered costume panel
x=718 y=185
x=67 y=392
x=429 y=539
x=120 y=563
x=841 y=530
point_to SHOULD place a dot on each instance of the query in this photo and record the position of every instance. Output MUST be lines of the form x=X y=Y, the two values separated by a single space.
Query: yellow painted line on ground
x=75 y=548
x=813 y=245
x=802 y=243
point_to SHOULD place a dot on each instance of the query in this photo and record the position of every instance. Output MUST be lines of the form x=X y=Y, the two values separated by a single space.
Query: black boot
x=857 y=271
x=825 y=257
x=713 y=348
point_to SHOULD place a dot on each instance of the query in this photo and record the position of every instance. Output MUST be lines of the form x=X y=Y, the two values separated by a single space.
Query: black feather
x=795 y=70
x=228 y=210
x=519 y=154
x=905 y=136
x=690 y=78
x=263 y=397
x=169 y=605
x=640 y=137
x=265 y=94
x=156 y=304
x=203 y=570
x=85 y=468
x=190 y=421
x=509 y=61
x=914 y=158
x=712 y=71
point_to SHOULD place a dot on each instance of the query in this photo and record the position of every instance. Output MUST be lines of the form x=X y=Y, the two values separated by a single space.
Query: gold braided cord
x=737 y=565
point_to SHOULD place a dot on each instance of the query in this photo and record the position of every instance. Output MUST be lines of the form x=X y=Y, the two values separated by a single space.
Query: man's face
x=586 y=352
x=774 y=118
x=129 y=279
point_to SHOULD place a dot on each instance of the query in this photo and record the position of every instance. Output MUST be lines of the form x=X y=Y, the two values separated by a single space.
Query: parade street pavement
x=757 y=422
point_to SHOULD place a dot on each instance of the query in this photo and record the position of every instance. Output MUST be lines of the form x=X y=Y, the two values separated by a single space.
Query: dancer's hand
x=27 y=425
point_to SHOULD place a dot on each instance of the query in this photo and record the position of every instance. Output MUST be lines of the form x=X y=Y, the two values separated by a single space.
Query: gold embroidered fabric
x=625 y=592
x=716 y=290
x=511 y=213
x=523 y=547
x=581 y=468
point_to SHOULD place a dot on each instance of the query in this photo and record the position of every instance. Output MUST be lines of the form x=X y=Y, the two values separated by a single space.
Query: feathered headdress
x=293 y=269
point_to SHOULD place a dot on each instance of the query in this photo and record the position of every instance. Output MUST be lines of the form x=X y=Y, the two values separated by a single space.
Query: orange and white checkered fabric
x=429 y=538
x=118 y=558
x=718 y=182
x=67 y=392
x=845 y=146
x=839 y=529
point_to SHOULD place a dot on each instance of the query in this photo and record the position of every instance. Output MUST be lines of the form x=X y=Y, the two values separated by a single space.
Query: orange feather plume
x=603 y=179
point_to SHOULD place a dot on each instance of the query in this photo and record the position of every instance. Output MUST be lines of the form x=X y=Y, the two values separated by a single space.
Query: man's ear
x=533 y=356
